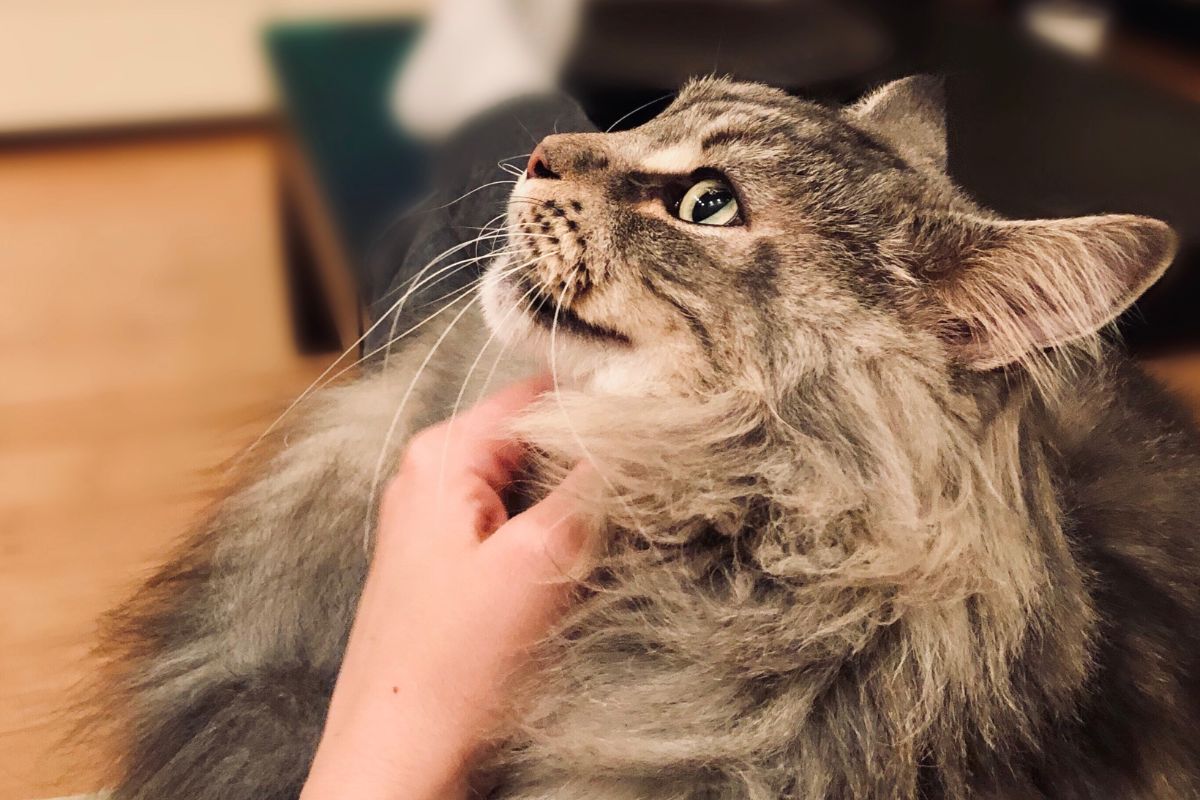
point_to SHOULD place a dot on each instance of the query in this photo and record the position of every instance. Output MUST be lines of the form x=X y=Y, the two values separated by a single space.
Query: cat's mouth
x=551 y=276
x=552 y=315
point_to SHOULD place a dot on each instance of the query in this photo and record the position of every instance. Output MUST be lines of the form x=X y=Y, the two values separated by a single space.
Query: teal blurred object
x=349 y=172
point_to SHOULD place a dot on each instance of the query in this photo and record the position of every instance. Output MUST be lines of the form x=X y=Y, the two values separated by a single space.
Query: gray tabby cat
x=884 y=516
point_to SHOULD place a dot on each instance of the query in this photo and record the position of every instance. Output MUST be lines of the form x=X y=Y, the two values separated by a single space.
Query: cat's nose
x=538 y=166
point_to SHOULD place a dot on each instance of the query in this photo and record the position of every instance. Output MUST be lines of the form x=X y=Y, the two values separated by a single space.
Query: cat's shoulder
x=1115 y=408
x=1128 y=454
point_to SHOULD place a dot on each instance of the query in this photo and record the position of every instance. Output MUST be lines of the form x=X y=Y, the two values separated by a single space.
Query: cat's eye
x=710 y=201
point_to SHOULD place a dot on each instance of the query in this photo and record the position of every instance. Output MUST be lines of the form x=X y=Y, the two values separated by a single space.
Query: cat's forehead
x=712 y=102
x=714 y=113
x=723 y=91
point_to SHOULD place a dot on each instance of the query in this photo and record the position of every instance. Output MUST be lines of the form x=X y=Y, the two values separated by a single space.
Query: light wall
x=68 y=64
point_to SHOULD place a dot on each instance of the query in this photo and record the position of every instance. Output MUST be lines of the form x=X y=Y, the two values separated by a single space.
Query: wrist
x=384 y=745
x=352 y=773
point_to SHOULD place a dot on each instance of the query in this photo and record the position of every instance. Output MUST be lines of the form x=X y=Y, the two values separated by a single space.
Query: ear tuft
x=1020 y=287
x=911 y=114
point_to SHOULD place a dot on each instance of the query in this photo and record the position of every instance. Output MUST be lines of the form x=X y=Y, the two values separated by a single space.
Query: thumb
x=550 y=538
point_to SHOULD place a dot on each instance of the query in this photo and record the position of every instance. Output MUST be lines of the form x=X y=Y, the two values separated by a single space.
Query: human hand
x=456 y=594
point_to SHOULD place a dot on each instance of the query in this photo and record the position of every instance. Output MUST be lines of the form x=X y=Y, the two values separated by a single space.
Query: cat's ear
x=1007 y=289
x=911 y=114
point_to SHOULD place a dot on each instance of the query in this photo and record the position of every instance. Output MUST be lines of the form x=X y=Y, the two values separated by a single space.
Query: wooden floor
x=144 y=337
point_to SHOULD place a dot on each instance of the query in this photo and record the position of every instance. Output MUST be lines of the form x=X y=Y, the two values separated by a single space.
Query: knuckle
x=524 y=545
x=483 y=509
x=425 y=448
x=393 y=496
x=394 y=490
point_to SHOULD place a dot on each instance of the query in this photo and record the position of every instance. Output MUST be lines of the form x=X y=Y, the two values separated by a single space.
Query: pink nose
x=538 y=166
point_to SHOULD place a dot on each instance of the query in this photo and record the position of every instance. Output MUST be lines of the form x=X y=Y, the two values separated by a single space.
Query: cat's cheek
x=502 y=309
x=500 y=304
x=640 y=373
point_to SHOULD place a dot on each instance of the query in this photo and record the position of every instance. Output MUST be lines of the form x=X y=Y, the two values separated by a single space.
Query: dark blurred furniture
x=1178 y=20
x=1034 y=132
x=347 y=172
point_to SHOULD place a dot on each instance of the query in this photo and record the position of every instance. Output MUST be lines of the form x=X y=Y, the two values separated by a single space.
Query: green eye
x=709 y=202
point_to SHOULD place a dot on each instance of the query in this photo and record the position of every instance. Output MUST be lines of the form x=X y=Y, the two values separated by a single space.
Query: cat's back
x=1128 y=454
x=1127 y=460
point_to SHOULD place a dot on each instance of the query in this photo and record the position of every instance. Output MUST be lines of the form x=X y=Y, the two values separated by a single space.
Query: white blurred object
x=1077 y=27
x=478 y=53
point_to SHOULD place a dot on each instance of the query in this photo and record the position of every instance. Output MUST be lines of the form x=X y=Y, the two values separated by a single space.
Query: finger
x=490 y=414
x=549 y=539
x=479 y=440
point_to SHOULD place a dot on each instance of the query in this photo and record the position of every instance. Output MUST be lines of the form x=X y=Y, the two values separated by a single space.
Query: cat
x=885 y=515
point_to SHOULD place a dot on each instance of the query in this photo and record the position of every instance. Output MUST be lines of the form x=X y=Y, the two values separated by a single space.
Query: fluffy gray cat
x=884 y=517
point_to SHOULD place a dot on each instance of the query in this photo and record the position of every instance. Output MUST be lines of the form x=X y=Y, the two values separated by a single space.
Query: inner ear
x=910 y=114
x=1015 y=288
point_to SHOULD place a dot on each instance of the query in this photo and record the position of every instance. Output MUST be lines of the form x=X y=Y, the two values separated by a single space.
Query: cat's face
x=747 y=235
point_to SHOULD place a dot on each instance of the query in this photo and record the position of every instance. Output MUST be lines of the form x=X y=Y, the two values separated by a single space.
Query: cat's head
x=746 y=235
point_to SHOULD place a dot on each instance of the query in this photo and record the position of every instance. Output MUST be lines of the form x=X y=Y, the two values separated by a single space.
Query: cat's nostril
x=538 y=166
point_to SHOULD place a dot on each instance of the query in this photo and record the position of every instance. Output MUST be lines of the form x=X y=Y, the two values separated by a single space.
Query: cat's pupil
x=710 y=203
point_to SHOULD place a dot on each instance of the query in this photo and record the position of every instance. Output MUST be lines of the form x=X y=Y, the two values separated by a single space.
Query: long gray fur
x=885 y=517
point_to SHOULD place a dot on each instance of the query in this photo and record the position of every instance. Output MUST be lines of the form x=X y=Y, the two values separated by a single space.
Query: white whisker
x=462 y=197
x=645 y=105
x=362 y=338
x=458 y=294
x=487 y=381
x=487 y=236
x=408 y=393
x=471 y=372
x=391 y=431
x=416 y=286
x=567 y=417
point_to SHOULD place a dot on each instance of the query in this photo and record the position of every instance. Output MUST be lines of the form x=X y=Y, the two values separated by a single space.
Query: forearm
x=456 y=596
x=412 y=766
x=396 y=729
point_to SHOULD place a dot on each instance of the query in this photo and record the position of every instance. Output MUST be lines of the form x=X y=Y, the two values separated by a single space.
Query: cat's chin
x=583 y=357
x=572 y=346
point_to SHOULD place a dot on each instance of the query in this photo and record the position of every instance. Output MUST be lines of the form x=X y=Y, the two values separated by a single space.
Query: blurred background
x=192 y=193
